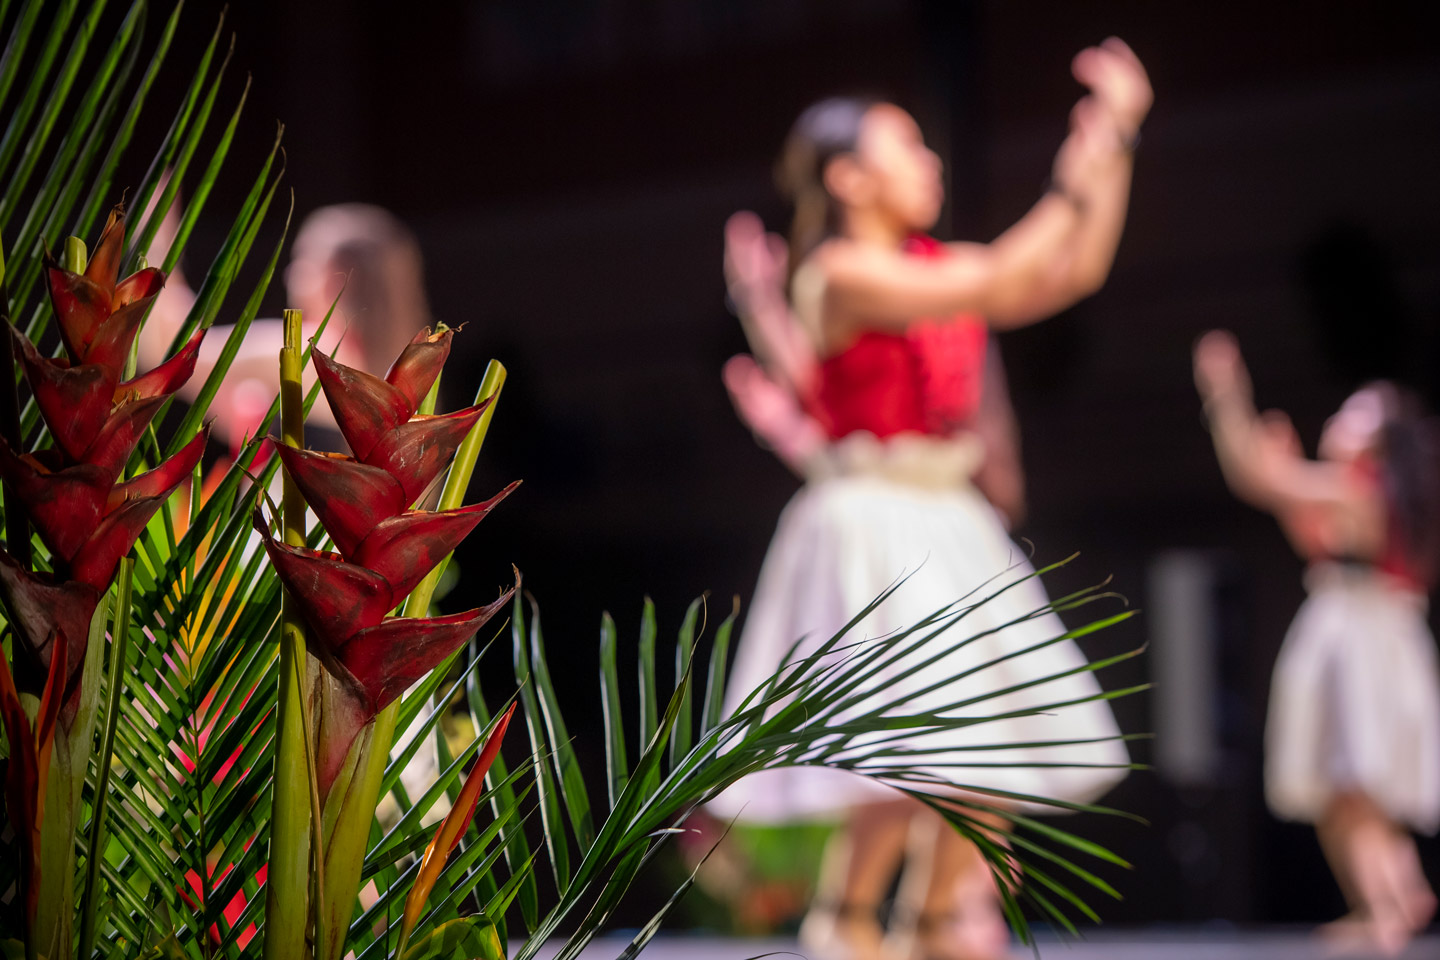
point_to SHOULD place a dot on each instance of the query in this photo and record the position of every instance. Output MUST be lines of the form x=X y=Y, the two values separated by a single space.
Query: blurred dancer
x=899 y=324
x=1352 y=744
x=362 y=250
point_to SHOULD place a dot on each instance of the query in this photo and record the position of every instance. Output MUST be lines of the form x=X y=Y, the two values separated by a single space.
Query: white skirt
x=1355 y=701
x=892 y=511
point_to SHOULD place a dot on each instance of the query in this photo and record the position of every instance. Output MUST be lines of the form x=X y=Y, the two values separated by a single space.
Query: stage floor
x=1167 y=944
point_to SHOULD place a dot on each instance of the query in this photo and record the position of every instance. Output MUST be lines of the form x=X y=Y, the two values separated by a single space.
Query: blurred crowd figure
x=875 y=379
x=356 y=252
x=1352 y=742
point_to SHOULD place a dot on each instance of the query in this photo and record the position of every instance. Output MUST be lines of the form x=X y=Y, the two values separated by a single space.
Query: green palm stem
x=287 y=885
x=350 y=808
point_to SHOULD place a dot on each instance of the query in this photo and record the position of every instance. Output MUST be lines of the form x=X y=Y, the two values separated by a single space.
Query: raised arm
x=1322 y=506
x=1105 y=127
x=864 y=285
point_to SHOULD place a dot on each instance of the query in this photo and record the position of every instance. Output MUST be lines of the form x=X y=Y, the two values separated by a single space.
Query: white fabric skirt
x=841 y=542
x=1355 y=701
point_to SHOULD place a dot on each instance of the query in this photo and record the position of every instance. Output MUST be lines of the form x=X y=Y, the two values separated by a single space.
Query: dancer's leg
x=948 y=907
x=859 y=863
x=1418 y=896
x=1375 y=859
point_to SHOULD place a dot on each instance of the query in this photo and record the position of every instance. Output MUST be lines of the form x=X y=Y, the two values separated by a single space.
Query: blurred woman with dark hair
x=1352 y=743
x=359 y=253
x=884 y=375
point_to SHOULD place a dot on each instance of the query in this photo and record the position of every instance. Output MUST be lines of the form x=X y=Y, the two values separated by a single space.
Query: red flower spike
x=166 y=378
x=414 y=453
x=386 y=659
x=117 y=439
x=28 y=770
x=43 y=606
x=404 y=549
x=377 y=665
x=95 y=562
x=348 y=496
x=65 y=505
x=138 y=286
x=75 y=401
x=104 y=266
x=365 y=407
x=337 y=598
x=164 y=478
x=81 y=305
x=95 y=313
x=385 y=549
x=111 y=346
x=413 y=373
x=69 y=490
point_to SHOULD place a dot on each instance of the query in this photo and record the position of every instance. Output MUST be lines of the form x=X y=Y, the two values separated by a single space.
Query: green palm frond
x=649 y=798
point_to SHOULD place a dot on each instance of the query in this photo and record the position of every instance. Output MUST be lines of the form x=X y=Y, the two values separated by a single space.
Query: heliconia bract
x=385 y=548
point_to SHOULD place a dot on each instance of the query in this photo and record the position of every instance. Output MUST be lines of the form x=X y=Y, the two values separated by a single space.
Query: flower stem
x=287 y=887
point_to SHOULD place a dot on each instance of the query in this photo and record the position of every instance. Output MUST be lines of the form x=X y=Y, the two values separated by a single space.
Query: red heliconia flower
x=385 y=548
x=28 y=768
x=71 y=492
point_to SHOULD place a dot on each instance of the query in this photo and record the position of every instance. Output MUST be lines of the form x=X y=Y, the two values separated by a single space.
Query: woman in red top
x=1352 y=742
x=898 y=323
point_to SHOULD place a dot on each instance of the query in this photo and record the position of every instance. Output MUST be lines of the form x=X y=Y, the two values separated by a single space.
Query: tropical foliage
x=202 y=714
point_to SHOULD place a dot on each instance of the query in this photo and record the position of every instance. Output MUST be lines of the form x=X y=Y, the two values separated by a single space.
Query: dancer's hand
x=755 y=274
x=773 y=413
x=755 y=261
x=1117 y=79
x=1219 y=369
x=1090 y=148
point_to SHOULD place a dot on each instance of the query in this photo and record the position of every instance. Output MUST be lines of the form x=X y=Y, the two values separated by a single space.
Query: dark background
x=568 y=168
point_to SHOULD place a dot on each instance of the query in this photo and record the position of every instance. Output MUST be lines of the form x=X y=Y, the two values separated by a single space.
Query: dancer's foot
x=842 y=932
x=975 y=930
x=1361 y=933
x=1348 y=934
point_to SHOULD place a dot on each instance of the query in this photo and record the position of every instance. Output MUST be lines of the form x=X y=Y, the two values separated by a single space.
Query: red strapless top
x=925 y=380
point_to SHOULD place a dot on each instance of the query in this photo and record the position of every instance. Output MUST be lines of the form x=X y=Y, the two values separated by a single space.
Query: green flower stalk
x=287 y=886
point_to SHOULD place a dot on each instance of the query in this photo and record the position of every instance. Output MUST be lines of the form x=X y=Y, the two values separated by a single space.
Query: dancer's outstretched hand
x=1219 y=369
x=755 y=264
x=1117 y=79
x=773 y=413
x=1089 y=150
x=754 y=260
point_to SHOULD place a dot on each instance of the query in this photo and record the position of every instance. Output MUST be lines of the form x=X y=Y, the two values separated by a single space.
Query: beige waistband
x=910 y=458
x=1323 y=575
